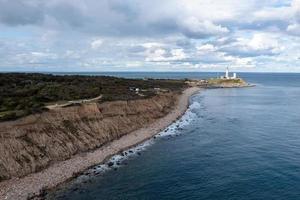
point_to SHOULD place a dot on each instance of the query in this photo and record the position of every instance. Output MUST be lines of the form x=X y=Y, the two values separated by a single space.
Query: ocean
x=239 y=143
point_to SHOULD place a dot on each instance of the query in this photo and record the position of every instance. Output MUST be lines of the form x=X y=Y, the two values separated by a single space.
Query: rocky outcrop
x=231 y=85
x=227 y=83
x=219 y=83
x=32 y=143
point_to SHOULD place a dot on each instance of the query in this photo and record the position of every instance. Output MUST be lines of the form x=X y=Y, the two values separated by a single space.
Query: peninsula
x=54 y=127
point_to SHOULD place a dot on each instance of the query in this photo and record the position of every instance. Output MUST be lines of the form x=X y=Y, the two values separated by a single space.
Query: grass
x=218 y=81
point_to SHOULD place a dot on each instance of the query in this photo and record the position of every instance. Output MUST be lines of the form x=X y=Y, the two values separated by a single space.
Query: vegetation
x=22 y=94
x=218 y=81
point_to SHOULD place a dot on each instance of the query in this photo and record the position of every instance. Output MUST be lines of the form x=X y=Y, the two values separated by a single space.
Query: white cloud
x=195 y=28
x=178 y=54
x=96 y=44
x=134 y=64
x=273 y=14
x=162 y=55
x=260 y=44
x=34 y=58
x=262 y=41
x=156 y=55
x=136 y=34
x=70 y=54
x=294 y=29
x=206 y=48
x=149 y=45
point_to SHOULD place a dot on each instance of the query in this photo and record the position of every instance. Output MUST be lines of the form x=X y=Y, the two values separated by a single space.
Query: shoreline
x=33 y=184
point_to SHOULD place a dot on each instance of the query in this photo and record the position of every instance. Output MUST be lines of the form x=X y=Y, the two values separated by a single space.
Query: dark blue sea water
x=231 y=144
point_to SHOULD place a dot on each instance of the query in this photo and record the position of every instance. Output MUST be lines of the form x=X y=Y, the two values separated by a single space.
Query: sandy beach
x=21 y=188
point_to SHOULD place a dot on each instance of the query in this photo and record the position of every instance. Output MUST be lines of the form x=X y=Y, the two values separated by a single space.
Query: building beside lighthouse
x=227 y=75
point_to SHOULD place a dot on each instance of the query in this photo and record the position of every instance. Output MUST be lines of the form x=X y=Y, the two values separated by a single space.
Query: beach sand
x=21 y=188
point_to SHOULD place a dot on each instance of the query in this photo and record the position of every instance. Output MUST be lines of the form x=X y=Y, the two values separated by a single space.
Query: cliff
x=32 y=143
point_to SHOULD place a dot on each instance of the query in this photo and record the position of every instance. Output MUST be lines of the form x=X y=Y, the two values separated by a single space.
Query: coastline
x=33 y=184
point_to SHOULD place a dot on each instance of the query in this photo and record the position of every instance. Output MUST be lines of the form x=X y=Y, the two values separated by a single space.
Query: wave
x=117 y=161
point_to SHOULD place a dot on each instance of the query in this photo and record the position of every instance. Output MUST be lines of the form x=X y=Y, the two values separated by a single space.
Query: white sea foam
x=117 y=160
x=185 y=120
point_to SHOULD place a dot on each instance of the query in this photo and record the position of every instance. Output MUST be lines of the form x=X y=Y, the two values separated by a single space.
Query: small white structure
x=134 y=89
x=227 y=75
x=234 y=76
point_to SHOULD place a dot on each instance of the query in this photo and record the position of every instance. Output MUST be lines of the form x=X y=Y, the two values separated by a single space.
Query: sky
x=150 y=35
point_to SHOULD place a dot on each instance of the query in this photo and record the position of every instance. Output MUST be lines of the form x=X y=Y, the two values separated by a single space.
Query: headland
x=47 y=147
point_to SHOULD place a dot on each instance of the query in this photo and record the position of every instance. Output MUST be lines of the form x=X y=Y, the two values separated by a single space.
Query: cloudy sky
x=144 y=35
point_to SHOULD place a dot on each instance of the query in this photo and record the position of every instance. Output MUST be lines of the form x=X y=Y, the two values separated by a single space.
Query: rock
x=30 y=196
x=87 y=173
x=139 y=153
x=130 y=151
x=43 y=192
x=110 y=164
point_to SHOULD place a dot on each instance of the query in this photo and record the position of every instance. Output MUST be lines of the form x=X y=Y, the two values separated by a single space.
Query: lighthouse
x=227 y=76
x=227 y=73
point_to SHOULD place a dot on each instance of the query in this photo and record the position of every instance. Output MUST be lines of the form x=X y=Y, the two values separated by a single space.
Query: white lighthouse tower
x=227 y=73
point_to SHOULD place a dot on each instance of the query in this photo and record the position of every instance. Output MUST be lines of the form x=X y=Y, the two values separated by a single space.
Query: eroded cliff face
x=32 y=143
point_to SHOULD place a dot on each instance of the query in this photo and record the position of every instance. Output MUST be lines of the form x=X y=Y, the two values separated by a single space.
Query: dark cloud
x=105 y=17
x=127 y=10
x=129 y=18
x=137 y=49
x=185 y=43
x=68 y=14
x=18 y=12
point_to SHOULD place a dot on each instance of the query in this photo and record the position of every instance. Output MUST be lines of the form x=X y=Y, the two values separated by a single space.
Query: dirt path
x=51 y=107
